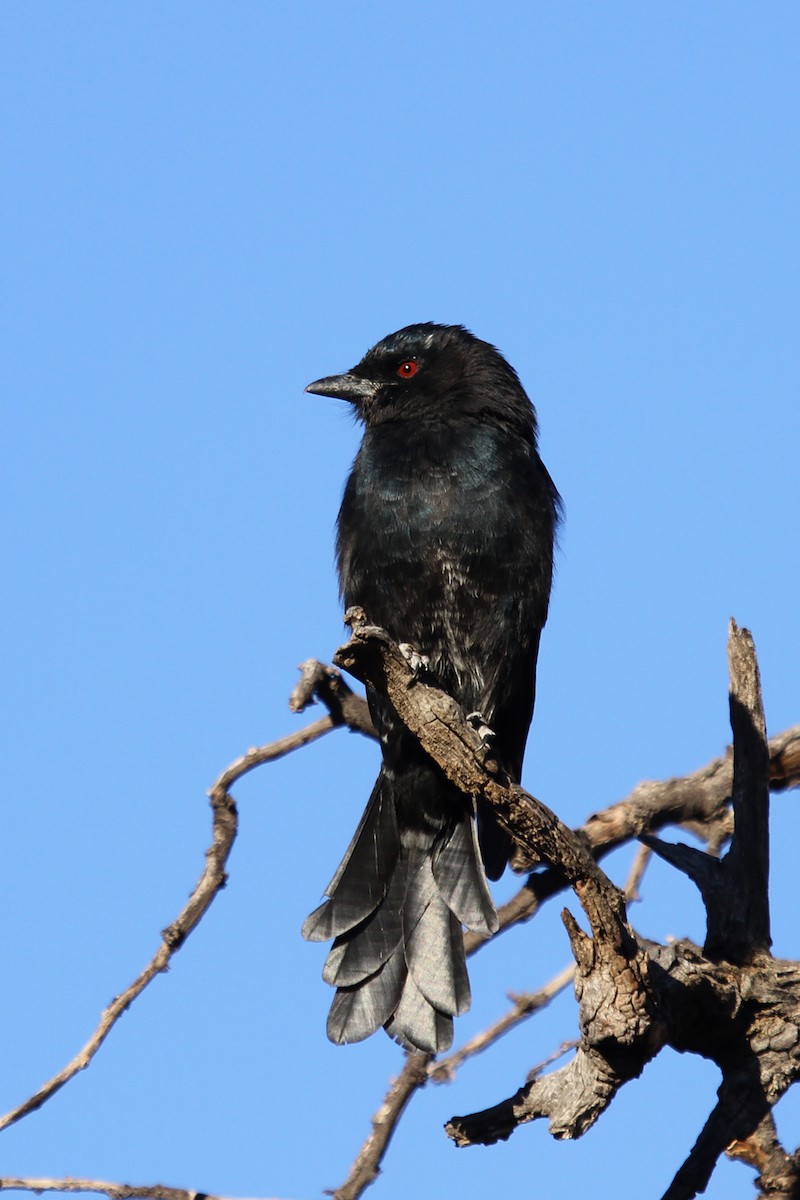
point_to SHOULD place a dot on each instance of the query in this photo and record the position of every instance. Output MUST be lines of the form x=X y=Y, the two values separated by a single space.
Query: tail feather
x=364 y=874
x=495 y=843
x=434 y=944
x=395 y=909
x=359 y=953
x=359 y=1010
x=461 y=880
x=417 y=1025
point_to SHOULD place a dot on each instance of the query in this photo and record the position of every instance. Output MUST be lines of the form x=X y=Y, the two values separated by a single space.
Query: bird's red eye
x=407 y=368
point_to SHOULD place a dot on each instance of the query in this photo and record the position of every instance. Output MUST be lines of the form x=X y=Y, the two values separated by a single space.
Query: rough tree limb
x=738 y=931
x=732 y=1003
x=778 y=1172
x=320 y=682
x=698 y=802
x=525 y=1005
x=618 y=1027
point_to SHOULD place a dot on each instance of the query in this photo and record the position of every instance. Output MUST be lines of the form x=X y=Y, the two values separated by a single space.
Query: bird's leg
x=478 y=723
x=419 y=663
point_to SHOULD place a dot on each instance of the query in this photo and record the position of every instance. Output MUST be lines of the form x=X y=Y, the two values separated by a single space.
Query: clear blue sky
x=206 y=205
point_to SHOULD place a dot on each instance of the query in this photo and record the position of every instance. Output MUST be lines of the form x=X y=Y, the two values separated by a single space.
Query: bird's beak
x=344 y=387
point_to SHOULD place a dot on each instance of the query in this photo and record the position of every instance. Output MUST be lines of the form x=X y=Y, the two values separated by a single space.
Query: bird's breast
x=429 y=545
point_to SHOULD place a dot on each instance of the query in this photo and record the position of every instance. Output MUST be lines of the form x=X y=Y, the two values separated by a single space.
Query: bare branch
x=274 y=750
x=564 y=1048
x=639 y=865
x=115 y=1191
x=321 y=682
x=622 y=1017
x=523 y=1007
x=700 y=798
x=527 y=1004
x=699 y=801
x=744 y=1018
x=366 y=1167
x=740 y=1111
x=778 y=1172
x=572 y=1098
x=741 y=930
x=211 y=881
x=735 y=890
x=784 y=760
x=701 y=868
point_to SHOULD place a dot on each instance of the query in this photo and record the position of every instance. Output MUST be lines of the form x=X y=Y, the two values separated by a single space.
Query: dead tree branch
x=699 y=802
x=366 y=1168
x=610 y=963
x=523 y=1006
x=778 y=1172
x=114 y=1191
x=320 y=682
x=527 y=1004
x=731 y=1001
x=344 y=708
x=633 y=997
x=210 y=883
x=737 y=931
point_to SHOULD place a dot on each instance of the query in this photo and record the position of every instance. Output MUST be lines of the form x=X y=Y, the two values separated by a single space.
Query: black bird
x=445 y=538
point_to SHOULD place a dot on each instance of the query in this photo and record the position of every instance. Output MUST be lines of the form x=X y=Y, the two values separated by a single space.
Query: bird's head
x=432 y=373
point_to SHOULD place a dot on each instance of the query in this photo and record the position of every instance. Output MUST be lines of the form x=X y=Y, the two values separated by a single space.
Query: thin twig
x=210 y=883
x=641 y=861
x=523 y=1007
x=564 y=1048
x=115 y=1191
x=318 y=681
x=366 y=1167
x=272 y=751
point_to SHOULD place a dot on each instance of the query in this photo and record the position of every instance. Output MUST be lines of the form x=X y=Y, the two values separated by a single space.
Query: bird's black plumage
x=445 y=538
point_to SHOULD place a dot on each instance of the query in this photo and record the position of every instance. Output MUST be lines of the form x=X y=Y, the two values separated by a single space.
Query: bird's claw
x=478 y=722
x=419 y=663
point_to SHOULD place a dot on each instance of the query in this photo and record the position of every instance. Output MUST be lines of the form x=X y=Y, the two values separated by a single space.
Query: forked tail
x=395 y=909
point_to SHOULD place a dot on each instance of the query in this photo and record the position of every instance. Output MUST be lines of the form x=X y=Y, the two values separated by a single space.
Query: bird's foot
x=419 y=663
x=478 y=723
